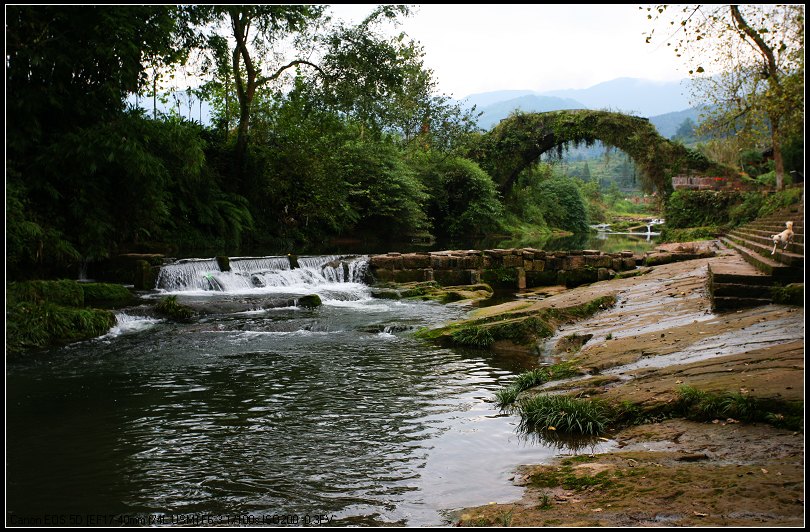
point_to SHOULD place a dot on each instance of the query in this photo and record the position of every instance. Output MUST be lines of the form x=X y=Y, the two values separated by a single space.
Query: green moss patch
x=106 y=295
x=520 y=327
x=168 y=307
x=63 y=292
x=33 y=325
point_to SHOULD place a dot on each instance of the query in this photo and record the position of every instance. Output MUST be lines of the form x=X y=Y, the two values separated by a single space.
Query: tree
x=686 y=130
x=257 y=32
x=758 y=53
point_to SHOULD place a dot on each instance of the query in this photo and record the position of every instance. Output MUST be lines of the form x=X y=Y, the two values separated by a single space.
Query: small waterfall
x=249 y=273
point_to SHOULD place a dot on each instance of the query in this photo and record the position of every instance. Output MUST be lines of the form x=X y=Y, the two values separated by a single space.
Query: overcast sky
x=485 y=47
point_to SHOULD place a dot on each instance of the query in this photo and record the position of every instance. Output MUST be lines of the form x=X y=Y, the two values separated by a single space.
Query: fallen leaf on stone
x=700 y=514
x=679 y=381
x=604 y=439
x=731 y=420
x=715 y=421
x=764 y=471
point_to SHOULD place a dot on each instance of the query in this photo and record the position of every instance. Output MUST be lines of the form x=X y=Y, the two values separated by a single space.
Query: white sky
x=485 y=47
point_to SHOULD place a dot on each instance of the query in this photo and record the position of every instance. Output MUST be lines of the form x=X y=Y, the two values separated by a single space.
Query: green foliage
x=565 y=415
x=695 y=208
x=519 y=140
x=64 y=292
x=563 y=205
x=699 y=405
x=106 y=294
x=171 y=309
x=383 y=190
x=462 y=200
x=44 y=324
x=473 y=336
x=779 y=200
x=535 y=377
x=690 y=234
x=792 y=294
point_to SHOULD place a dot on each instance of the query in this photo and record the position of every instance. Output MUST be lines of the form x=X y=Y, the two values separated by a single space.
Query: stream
x=261 y=411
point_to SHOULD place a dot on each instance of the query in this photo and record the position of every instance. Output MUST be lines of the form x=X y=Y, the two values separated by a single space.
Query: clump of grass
x=38 y=325
x=473 y=336
x=565 y=415
x=506 y=396
x=532 y=378
x=699 y=405
x=170 y=308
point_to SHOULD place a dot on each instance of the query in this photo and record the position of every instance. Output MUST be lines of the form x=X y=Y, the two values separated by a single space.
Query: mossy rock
x=792 y=294
x=168 y=307
x=386 y=294
x=310 y=301
x=63 y=292
x=32 y=325
x=106 y=295
x=521 y=328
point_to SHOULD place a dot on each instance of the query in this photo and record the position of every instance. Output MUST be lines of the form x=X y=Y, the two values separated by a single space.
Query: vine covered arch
x=518 y=141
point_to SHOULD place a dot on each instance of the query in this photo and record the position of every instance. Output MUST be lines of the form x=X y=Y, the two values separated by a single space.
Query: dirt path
x=660 y=335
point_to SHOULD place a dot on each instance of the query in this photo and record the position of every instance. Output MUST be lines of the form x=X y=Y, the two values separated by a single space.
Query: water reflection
x=284 y=411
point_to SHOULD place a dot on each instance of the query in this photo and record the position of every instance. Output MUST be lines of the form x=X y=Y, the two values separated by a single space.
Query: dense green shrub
x=696 y=208
x=462 y=198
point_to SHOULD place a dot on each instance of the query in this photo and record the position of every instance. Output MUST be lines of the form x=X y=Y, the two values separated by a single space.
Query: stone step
x=760 y=237
x=741 y=290
x=733 y=303
x=785 y=257
x=780 y=272
x=777 y=226
x=797 y=238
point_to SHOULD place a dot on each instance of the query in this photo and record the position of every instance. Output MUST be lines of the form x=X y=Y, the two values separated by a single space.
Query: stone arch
x=518 y=141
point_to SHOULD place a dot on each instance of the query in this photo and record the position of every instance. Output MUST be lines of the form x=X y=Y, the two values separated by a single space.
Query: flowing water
x=261 y=409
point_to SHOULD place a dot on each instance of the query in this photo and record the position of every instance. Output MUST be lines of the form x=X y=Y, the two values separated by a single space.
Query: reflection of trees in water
x=606 y=242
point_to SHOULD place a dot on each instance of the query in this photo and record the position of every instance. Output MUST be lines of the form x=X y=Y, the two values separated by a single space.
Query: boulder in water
x=309 y=301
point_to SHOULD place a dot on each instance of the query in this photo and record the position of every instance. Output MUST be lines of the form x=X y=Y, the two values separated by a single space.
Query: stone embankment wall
x=506 y=268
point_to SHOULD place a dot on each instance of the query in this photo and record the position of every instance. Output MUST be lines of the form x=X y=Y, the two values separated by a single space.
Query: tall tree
x=258 y=32
x=757 y=81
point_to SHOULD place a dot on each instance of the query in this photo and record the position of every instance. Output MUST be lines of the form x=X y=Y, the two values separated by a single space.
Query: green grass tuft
x=565 y=415
x=170 y=308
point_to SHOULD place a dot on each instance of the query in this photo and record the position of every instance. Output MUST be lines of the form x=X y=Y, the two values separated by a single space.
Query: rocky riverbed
x=661 y=335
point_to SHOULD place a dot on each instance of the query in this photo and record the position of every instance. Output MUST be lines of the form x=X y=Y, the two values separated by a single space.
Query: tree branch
x=760 y=42
x=291 y=64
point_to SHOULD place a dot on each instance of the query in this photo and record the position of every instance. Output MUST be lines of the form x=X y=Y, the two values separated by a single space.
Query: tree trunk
x=777 y=155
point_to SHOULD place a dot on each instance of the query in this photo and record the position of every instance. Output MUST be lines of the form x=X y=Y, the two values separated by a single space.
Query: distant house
x=701 y=182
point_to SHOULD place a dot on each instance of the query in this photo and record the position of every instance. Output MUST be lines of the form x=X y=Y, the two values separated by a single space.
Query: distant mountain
x=492 y=114
x=667 y=124
x=484 y=99
x=631 y=95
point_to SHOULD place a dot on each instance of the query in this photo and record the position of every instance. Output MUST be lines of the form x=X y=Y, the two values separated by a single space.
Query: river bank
x=662 y=335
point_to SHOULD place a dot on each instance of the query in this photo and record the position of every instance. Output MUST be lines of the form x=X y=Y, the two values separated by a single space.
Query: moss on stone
x=32 y=325
x=106 y=295
x=792 y=294
x=63 y=292
x=168 y=307
x=310 y=301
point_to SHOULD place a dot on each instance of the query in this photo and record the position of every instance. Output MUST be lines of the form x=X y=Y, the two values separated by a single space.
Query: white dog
x=785 y=237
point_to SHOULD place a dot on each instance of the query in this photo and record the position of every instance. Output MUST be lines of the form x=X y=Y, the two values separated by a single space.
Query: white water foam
x=126 y=324
x=333 y=277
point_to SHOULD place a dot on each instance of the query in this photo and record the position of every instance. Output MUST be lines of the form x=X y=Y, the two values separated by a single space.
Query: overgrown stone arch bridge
x=518 y=141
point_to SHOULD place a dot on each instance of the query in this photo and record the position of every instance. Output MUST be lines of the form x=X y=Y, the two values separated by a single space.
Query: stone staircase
x=734 y=284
